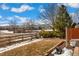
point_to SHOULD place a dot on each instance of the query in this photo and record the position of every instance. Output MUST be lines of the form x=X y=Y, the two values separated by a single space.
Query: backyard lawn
x=33 y=49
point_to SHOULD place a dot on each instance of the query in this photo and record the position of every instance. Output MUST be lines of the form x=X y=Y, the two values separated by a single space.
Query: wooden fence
x=7 y=40
x=71 y=34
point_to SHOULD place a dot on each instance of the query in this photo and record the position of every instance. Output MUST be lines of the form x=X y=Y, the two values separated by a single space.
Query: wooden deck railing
x=51 y=49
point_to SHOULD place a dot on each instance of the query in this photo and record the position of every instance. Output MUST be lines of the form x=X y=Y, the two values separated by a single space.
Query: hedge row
x=50 y=34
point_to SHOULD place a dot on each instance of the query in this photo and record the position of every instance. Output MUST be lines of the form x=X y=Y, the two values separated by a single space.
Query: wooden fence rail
x=7 y=40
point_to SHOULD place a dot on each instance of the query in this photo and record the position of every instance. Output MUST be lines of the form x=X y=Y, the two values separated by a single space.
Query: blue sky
x=26 y=11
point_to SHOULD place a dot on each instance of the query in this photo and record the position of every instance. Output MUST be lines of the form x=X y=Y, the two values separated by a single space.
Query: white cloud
x=40 y=21
x=21 y=19
x=4 y=7
x=72 y=14
x=4 y=24
x=9 y=18
x=41 y=9
x=0 y=16
x=74 y=5
x=23 y=8
x=74 y=17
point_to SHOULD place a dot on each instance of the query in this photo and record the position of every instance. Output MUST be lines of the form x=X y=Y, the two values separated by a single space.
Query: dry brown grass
x=34 y=49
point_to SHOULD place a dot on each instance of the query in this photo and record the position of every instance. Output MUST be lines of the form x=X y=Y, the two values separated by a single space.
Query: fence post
x=67 y=39
x=22 y=37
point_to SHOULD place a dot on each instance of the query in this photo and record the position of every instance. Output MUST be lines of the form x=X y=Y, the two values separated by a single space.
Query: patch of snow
x=73 y=43
x=2 y=49
x=17 y=45
x=49 y=30
x=53 y=51
x=6 y=31
x=66 y=52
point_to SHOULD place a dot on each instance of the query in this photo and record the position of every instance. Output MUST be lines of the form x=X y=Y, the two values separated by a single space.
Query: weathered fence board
x=4 y=40
x=73 y=33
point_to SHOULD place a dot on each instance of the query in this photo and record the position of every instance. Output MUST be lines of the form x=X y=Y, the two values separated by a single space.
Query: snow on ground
x=18 y=45
x=66 y=52
x=6 y=31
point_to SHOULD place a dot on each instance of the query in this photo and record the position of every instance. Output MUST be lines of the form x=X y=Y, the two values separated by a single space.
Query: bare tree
x=28 y=25
x=77 y=15
x=13 y=25
x=49 y=13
